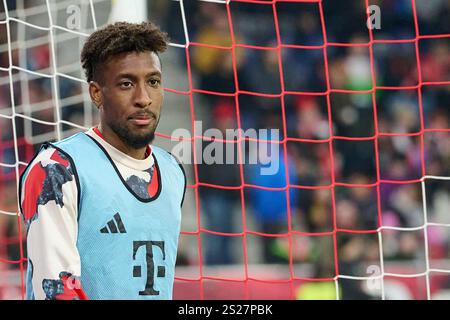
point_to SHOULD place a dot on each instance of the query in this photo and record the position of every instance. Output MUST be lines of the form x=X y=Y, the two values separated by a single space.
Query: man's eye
x=154 y=82
x=126 y=84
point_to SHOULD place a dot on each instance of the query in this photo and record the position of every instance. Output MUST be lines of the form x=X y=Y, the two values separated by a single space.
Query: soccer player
x=102 y=208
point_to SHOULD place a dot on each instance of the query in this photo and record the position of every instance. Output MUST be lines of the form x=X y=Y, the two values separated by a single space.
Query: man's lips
x=141 y=119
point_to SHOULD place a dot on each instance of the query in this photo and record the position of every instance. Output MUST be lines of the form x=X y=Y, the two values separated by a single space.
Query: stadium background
x=364 y=119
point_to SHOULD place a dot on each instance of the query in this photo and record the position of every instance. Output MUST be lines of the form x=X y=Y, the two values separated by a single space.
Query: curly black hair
x=118 y=38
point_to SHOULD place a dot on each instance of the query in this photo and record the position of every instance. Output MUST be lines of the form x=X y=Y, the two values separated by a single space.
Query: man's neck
x=113 y=139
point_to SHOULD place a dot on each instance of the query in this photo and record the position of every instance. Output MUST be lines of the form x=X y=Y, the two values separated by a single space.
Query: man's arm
x=49 y=206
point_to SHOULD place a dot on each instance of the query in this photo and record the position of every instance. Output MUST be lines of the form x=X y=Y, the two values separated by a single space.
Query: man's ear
x=95 y=91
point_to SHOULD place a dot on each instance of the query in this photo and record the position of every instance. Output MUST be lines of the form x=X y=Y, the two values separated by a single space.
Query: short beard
x=133 y=140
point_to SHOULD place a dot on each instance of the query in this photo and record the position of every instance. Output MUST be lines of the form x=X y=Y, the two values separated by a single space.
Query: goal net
x=357 y=93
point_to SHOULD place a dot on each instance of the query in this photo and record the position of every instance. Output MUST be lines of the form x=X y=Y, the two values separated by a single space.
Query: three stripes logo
x=114 y=225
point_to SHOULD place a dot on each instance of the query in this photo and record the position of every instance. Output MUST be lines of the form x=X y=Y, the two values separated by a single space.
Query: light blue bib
x=128 y=245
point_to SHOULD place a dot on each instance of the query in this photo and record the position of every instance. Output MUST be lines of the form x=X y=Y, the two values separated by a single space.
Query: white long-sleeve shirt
x=49 y=206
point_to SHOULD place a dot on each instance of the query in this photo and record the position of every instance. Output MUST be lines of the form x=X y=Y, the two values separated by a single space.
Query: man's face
x=132 y=96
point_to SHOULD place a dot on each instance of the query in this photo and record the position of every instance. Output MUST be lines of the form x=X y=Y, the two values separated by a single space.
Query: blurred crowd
x=284 y=87
x=390 y=136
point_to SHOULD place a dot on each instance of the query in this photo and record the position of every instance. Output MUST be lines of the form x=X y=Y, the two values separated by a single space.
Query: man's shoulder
x=43 y=180
x=52 y=153
x=47 y=157
x=71 y=140
x=164 y=154
x=168 y=157
x=176 y=165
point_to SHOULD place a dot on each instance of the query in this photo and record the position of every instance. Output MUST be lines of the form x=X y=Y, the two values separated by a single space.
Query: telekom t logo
x=161 y=273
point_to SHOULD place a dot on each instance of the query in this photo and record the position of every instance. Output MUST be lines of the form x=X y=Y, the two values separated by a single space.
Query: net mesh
x=246 y=280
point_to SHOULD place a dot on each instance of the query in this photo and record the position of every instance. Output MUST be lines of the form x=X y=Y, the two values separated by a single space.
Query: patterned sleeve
x=48 y=198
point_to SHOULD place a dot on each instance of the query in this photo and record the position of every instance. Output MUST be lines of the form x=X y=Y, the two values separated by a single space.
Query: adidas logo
x=114 y=225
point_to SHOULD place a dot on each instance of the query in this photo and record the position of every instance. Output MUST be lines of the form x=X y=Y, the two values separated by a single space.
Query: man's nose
x=142 y=97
